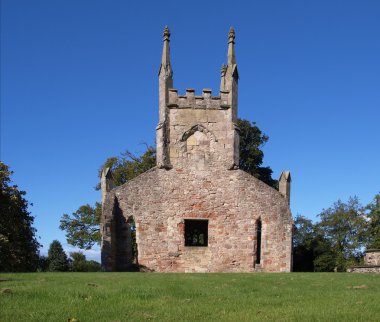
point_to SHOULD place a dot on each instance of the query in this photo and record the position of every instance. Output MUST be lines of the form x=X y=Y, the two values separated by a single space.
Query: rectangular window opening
x=258 y=241
x=196 y=232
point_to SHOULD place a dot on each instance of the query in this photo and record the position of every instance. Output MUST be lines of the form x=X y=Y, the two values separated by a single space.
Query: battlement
x=206 y=101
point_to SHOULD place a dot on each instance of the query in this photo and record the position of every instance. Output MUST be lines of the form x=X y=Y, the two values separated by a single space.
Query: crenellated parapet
x=205 y=101
x=179 y=114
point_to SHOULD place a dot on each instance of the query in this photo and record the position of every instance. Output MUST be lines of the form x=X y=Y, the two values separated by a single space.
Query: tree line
x=58 y=261
x=344 y=231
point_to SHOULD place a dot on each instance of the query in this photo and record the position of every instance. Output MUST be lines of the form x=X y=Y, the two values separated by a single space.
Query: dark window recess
x=258 y=240
x=196 y=233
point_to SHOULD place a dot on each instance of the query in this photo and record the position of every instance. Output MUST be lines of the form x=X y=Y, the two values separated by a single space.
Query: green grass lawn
x=189 y=297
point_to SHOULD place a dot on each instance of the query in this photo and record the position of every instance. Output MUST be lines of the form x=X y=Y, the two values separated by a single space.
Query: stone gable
x=196 y=211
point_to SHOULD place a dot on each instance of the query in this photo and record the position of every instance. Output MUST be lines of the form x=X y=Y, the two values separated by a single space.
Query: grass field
x=189 y=297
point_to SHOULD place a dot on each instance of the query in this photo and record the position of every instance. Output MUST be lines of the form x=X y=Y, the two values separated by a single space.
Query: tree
x=82 y=227
x=303 y=236
x=80 y=264
x=251 y=155
x=338 y=239
x=252 y=140
x=43 y=264
x=343 y=226
x=128 y=165
x=18 y=242
x=373 y=224
x=326 y=261
x=311 y=250
x=58 y=261
x=93 y=266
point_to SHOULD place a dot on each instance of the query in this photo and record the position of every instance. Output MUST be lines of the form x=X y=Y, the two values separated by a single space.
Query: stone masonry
x=196 y=211
x=371 y=263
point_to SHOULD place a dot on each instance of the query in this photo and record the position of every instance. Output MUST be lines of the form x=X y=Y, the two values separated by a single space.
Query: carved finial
x=231 y=35
x=231 y=47
x=165 y=60
x=166 y=33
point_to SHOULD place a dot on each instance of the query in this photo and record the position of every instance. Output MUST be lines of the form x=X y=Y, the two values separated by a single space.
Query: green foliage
x=373 y=224
x=337 y=241
x=303 y=238
x=311 y=250
x=18 y=243
x=80 y=264
x=251 y=155
x=128 y=165
x=82 y=227
x=132 y=224
x=43 y=264
x=58 y=261
x=325 y=262
x=93 y=266
x=303 y=231
x=343 y=225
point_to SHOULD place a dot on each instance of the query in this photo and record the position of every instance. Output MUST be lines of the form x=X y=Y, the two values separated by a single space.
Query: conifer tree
x=58 y=261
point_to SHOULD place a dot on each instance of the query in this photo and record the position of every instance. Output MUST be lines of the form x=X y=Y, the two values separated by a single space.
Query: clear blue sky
x=79 y=84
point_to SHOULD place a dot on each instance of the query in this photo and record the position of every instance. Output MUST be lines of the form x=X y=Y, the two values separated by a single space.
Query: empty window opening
x=258 y=241
x=196 y=232
x=131 y=237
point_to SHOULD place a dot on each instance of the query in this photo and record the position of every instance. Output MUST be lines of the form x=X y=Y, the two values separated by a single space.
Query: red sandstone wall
x=231 y=200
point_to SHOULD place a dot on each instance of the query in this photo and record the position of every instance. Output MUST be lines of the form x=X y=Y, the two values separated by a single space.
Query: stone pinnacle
x=166 y=33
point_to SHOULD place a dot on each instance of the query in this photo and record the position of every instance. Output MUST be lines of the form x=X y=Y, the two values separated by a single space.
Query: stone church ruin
x=196 y=211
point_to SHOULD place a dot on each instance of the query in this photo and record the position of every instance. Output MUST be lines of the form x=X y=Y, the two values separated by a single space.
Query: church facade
x=196 y=211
